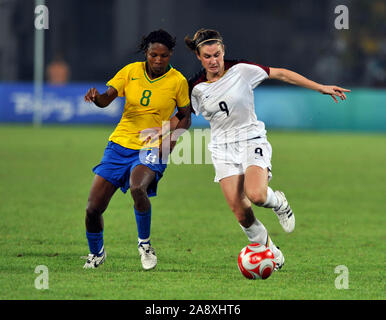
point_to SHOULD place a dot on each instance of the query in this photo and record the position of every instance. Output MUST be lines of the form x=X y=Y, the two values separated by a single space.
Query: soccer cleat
x=279 y=259
x=148 y=256
x=93 y=261
x=284 y=213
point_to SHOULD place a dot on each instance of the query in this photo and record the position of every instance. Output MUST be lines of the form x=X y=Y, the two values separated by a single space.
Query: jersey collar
x=156 y=79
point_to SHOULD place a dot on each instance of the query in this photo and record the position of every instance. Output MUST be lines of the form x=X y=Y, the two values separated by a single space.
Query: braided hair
x=158 y=36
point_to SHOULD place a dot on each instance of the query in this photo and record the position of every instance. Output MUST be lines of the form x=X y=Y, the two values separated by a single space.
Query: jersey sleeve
x=254 y=74
x=119 y=81
x=195 y=102
x=183 y=99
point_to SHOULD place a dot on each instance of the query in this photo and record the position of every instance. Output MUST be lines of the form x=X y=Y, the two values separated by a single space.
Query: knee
x=138 y=192
x=93 y=211
x=258 y=197
x=140 y=197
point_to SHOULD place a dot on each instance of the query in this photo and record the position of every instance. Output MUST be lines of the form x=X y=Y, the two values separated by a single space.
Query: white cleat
x=93 y=261
x=148 y=256
x=279 y=259
x=284 y=213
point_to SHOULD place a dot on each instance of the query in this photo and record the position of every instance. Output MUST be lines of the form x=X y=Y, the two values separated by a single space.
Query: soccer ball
x=256 y=261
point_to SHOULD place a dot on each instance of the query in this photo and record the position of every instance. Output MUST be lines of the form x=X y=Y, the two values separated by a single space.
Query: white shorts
x=234 y=158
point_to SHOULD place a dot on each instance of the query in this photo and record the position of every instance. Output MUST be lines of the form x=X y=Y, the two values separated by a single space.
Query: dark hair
x=159 y=36
x=202 y=36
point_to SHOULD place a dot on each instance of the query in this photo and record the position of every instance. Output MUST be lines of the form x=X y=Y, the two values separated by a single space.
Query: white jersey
x=228 y=104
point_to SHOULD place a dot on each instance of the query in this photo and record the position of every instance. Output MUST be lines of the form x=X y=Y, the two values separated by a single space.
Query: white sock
x=143 y=241
x=272 y=247
x=256 y=233
x=272 y=201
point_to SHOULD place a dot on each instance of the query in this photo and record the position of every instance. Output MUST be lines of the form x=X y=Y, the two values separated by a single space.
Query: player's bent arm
x=181 y=120
x=101 y=100
x=173 y=122
x=298 y=80
x=184 y=115
x=179 y=123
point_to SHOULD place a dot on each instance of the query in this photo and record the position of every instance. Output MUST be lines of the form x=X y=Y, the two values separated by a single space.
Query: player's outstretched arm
x=101 y=100
x=298 y=80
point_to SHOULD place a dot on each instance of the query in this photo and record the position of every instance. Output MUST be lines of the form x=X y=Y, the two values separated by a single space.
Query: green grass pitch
x=335 y=183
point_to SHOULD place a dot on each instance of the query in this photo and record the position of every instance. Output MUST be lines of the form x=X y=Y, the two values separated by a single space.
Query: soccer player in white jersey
x=223 y=93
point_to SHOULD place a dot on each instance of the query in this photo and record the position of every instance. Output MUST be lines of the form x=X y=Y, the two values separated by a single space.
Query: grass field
x=335 y=183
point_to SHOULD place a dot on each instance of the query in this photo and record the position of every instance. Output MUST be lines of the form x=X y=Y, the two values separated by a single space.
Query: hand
x=334 y=91
x=166 y=148
x=91 y=95
x=150 y=135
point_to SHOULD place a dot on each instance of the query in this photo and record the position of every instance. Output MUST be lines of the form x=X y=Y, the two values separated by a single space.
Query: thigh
x=258 y=154
x=100 y=193
x=226 y=170
x=256 y=180
x=141 y=177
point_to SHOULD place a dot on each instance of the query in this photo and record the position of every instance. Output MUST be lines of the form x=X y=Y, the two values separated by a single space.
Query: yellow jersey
x=148 y=102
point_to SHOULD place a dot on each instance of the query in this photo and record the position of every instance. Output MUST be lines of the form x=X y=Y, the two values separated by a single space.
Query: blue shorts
x=118 y=162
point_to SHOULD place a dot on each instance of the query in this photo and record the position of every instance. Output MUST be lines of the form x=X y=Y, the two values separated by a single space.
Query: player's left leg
x=258 y=192
x=257 y=189
x=140 y=179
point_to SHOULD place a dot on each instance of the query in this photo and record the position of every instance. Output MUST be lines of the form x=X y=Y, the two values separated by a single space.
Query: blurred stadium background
x=88 y=41
x=335 y=179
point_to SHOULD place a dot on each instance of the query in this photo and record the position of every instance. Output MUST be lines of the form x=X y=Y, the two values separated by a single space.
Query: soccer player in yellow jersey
x=153 y=90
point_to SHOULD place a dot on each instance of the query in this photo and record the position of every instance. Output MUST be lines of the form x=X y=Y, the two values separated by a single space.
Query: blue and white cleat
x=148 y=256
x=93 y=261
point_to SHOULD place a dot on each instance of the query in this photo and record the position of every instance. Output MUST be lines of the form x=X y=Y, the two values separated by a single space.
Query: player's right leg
x=233 y=190
x=100 y=195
